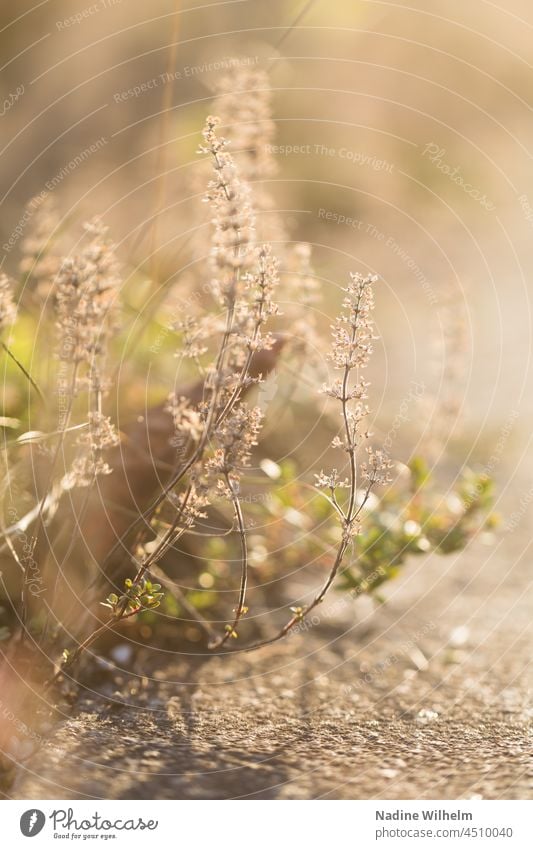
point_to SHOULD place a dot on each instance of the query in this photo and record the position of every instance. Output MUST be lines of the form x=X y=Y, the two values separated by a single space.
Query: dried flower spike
x=86 y=299
x=8 y=310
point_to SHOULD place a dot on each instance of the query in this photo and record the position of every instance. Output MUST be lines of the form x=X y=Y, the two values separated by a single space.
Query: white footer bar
x=269 y=824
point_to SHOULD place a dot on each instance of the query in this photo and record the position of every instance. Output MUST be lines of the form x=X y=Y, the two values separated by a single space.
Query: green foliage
x=415 y=519
x=138 y=595
x=412 y=517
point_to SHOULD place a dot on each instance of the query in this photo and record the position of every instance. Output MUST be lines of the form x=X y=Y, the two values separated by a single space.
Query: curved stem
x=210 y=419
x=240 y=610
x=352 y=512
x=107 y=626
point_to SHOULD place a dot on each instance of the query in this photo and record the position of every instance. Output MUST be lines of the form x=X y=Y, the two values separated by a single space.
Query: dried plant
x=449 y=352
x=209 y=438
x=40 y=264
x=8 y=309
x=244 y=102
x=244 y=107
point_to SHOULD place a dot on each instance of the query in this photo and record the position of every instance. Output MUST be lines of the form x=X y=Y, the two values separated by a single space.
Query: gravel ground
x=426 y=697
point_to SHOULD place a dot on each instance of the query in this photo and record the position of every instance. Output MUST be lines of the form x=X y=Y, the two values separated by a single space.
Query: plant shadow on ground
x=390 y=710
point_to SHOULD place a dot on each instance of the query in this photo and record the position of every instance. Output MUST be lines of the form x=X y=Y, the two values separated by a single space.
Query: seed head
x=8 y=310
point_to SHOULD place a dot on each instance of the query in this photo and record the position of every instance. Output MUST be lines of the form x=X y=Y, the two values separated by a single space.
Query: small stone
x=389 y=773
x=122 y=653
x=426 y=715
x=287 y=694
x=459 y=636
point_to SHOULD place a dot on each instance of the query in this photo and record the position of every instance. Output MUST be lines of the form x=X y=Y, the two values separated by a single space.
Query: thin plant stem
x=206 y=436
x=348 y=518
x=107 y=626
x=240 y=610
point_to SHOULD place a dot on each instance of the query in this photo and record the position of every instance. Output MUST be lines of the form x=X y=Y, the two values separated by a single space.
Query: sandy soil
x=427 y=697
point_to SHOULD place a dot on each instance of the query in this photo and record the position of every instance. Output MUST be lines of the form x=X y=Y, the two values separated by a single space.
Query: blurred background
x=402 y=148
x=403 y=135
